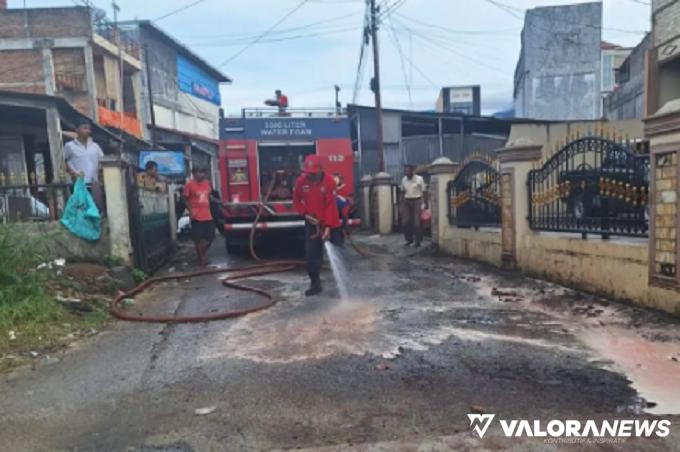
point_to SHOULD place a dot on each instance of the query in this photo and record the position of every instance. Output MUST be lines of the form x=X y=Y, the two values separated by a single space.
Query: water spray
x=338 y=268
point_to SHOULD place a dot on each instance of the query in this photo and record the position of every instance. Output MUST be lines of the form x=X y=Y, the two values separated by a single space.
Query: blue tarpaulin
x=81 y=216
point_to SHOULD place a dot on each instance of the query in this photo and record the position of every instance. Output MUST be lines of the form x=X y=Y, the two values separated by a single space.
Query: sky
x=424 y=45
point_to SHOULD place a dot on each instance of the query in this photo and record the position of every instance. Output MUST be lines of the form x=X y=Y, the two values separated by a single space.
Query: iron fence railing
x=592 y=185
x=115 y=35
x=474 y=194
x=38 y=202
x=265 y=112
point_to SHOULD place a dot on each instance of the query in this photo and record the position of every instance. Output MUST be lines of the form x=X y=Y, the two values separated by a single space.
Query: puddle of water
x=340 y=273
x=345 y=328
x=647 y=364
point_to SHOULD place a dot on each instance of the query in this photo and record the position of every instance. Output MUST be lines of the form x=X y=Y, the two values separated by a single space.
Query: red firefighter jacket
x=317 y=199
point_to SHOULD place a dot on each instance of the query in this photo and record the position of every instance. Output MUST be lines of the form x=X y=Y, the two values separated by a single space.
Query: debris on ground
x=383 y=366
x=477 y=409
x=12 y=335
x=506 y=296
x=52 y=264
x=204 y=411
x=47 y=359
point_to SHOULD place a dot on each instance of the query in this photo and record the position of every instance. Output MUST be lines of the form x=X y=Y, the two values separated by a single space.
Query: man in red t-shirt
x=314 y=199
x=197 y=198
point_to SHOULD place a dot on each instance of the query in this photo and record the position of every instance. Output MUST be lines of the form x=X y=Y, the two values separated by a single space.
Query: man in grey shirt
x=82 y=157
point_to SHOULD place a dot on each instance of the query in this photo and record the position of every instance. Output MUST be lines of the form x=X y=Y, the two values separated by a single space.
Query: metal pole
x=337 y=100
x=376 y=87
x=154 y=141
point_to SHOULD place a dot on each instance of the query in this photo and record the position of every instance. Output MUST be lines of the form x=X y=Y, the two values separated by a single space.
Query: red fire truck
x=261 y=152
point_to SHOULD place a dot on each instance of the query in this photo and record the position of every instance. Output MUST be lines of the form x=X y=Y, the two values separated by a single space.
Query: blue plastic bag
x=81 y=216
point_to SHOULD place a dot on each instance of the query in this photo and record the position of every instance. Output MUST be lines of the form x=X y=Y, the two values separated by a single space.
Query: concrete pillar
x=172 y=188
x=53 y=121
x=663 y=129
x=516 y=161
x=442 y=171
x=91 y=81
x=48 y=71
x=115 y=186
x=365 y=213
x=382 y=184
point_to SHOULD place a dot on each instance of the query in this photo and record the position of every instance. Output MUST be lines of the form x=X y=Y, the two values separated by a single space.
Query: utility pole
x=375 y=86
x=154 y=141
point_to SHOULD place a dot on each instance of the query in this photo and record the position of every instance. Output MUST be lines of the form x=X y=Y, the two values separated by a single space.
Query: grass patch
x=31 y=319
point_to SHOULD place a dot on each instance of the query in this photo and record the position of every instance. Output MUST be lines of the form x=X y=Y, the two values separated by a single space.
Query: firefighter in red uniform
x=314 y=199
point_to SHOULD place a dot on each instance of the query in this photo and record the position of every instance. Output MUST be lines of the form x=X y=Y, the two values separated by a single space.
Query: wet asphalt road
x=424 y=340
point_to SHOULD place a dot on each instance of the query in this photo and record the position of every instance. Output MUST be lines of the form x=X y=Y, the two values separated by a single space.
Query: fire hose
x=233 y=275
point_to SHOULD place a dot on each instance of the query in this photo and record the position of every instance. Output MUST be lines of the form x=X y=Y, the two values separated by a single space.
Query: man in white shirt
x=82 y=157
x=413 y=191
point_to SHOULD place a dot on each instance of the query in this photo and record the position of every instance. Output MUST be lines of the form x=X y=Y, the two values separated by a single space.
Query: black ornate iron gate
x=150 y=225
x=591 y=185
x=474 y=194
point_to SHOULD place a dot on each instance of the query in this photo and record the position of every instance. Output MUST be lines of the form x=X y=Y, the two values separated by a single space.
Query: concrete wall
x=617 y=268
x=483 y=245
x=57 y=242
x=559 y=70
x=549 y=134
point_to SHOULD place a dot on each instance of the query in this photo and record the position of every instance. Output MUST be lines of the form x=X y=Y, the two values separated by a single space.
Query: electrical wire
x=306 y=27
x=397 y=44
x=360 y=66
x=329 y=32
x=454 y=31
x=178 y=10
x=454 y=51
x=512 y=10
x=391 y=9
x=263 y=34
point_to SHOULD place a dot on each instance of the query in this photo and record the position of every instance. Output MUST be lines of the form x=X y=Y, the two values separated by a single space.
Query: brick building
x=74 y=53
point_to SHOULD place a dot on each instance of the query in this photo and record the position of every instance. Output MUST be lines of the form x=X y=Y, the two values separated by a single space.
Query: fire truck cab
x=262 y=152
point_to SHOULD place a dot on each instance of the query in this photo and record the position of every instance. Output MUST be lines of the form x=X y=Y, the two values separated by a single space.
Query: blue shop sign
x=170 y=163
x=195 y=81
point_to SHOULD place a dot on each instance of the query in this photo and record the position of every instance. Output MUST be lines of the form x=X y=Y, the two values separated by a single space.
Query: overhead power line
x=512 y=10
x=360 y=66
x=495 y=31
x=454 y=51
x=397 y=44
x=391 y=9
x=263 y=34
x=236 y=42
x=283 y=31
x=178 y=10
